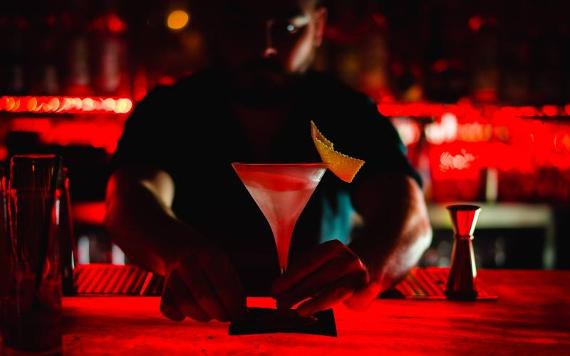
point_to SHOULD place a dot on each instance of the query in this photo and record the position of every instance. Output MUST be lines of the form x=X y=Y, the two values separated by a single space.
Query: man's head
x=264 y=42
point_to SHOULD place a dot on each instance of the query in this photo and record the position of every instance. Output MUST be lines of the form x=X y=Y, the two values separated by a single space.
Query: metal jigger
x=461 y=283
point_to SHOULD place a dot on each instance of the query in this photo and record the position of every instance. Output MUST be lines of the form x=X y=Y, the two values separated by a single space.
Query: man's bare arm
x=201 y=282
x=140 y=218
x=395 y=232
x=394 y=235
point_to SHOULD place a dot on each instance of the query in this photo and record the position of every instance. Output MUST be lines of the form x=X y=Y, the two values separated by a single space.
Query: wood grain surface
x=531 y=317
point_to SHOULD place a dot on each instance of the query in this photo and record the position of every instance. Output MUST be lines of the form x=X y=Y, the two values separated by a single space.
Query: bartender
x=176 y=207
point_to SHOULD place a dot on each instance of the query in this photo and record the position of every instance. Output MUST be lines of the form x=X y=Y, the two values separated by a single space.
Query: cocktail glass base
x=268 y=320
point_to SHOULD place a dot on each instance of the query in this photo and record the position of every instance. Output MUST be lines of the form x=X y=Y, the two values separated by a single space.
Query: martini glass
x=281 y=191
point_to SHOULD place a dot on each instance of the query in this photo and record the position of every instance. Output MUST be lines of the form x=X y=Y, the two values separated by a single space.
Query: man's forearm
x=396 y=228
x=141 y=224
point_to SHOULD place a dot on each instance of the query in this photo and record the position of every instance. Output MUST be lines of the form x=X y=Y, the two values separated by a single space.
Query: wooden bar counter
x=530 y=317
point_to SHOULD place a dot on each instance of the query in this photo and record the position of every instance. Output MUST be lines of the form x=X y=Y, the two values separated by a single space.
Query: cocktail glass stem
x=282 y=233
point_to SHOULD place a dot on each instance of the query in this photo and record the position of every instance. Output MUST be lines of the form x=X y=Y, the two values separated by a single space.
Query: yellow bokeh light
x=177 y=19
x=123 y=106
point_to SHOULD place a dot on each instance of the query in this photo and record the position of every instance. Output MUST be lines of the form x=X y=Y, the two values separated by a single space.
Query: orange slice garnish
x=343 y=166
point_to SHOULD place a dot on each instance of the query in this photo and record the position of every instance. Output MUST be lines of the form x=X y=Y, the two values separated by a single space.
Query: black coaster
x=266 y=320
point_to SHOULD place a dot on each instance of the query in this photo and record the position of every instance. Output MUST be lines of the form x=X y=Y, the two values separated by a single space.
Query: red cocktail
x=281 y=191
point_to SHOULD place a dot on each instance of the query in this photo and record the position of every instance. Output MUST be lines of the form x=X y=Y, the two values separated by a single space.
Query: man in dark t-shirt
x=176 y=206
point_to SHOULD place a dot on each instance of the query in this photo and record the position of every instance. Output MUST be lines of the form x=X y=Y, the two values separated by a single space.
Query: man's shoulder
x=188 y=96
x=337 y=102
x=166 y=104
x=198 y=81
x=193 y=86
x=338 y=105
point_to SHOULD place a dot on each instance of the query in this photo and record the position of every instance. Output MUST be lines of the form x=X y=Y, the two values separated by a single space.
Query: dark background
x=487 y=53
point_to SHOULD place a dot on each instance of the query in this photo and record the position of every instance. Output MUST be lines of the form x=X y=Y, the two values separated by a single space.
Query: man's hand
x=201 y=283
x=328 y=274
x=203 y=286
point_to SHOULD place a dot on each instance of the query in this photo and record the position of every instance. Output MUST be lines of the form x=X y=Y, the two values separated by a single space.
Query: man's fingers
x=332 y=271
x=332 y=295
x=202 y=292
x=361 y=298
x=183 y=299
x=307 y=264
x=227 y=285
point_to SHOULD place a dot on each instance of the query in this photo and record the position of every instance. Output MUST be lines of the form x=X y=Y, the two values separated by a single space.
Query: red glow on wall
x=65 y=105
x=166 y=80
x=528 y=147
x=550 y=110
x=440 y=66
x=460 y=161
x=97 y=133
x=109 y=23
x=475 y=23
x=426 y=109
x=487 y=95
x=89 y=213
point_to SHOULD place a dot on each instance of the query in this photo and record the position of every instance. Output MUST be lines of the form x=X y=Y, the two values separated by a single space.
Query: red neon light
x=110 y=23
x=65 y=105
x=462 y=160
x=467 y=142
x=89 y=213
x=97 y=133
x=550 y=110
x=424 y=109
x=475 y=23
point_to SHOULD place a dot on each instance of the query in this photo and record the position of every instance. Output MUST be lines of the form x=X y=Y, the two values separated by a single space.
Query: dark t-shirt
x=189 y=131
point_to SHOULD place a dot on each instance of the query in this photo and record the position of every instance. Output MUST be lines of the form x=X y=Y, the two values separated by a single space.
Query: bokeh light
x=177 y=20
